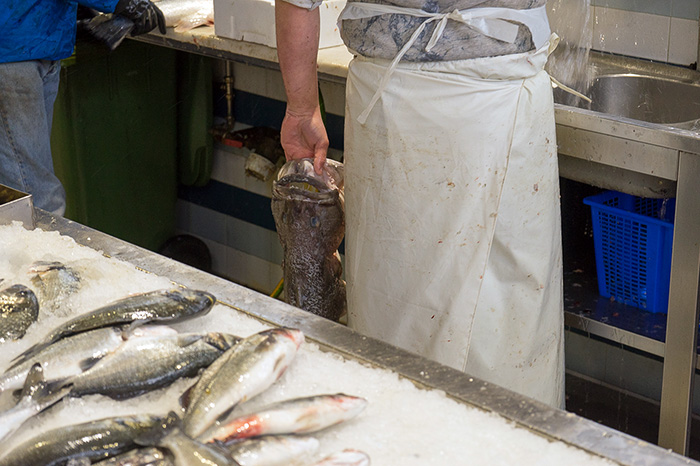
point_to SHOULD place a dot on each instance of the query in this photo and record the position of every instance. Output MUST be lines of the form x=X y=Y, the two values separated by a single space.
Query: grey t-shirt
x=383 y=36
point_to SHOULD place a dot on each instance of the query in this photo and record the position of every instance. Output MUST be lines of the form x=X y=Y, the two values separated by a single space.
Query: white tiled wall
x=644 y=35
x=241 y=252
x=268 y=83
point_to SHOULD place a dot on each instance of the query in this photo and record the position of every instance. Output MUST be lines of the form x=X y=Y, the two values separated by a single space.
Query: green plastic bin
x=114 y=140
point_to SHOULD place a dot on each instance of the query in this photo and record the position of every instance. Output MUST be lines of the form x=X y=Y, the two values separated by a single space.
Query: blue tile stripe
x=257 y=110
x=234 y=202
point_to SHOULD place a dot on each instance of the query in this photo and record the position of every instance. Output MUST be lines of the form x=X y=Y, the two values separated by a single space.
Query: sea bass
x=19 y=308
x=54 y=283
x=243 y=371
x=348 y=457
x=297 y=416
x=93 y=440
x=309 y=216
x=73 y=355
x=35 y=398
x=162 y=306
x=144 y=364
x=275 y=450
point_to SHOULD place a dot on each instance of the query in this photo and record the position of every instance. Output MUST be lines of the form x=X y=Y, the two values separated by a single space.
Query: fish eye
x=284 y=217
x=314 y=222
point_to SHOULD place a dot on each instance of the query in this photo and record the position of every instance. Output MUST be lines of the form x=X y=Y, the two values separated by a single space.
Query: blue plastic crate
x=633 y=240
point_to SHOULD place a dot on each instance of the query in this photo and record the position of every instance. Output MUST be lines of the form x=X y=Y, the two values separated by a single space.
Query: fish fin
x=88 y=363
x=170 y=425
x=35 y=378
x=117 y=396
x=221 y=341
x=39 y=392
x=186 y=397
x=133 y=325
x=28 y=353
x=226 y=413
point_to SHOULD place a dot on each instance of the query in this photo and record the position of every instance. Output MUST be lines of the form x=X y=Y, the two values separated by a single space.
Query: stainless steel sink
x=646 y=98
x=642 y=115
x=640 y=90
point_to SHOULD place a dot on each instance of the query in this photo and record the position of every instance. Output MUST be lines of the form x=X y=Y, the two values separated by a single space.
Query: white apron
x=453 y=244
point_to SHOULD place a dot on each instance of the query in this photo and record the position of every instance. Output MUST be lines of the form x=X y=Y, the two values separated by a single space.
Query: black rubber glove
x=145 y=15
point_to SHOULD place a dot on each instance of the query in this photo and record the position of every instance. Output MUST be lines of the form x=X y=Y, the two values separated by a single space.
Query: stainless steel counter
x=553 y=424
x=609 y=151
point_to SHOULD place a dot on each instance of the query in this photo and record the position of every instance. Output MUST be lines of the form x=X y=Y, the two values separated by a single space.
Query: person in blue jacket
x=36 y=35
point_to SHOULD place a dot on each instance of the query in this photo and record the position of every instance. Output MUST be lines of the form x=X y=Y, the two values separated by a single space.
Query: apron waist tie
x=489 y=21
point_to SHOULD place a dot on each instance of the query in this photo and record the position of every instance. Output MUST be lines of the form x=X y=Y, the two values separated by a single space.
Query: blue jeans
x=27 y=94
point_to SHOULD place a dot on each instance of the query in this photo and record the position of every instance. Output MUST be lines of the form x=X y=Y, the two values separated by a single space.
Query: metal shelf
x=586 y=311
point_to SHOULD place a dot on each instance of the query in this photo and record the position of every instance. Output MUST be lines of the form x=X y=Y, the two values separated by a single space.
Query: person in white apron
x=453 y=237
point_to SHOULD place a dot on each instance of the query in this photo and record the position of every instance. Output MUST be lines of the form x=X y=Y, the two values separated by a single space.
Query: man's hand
x=145 y=15
x=304 y=136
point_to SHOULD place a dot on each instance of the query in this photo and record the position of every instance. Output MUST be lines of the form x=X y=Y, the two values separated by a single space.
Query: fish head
x=18 y=298
x=295 y=335
x=200 y=302
x=309 y=210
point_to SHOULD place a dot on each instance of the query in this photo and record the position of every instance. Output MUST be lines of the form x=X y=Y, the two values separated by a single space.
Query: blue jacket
x=41 y=29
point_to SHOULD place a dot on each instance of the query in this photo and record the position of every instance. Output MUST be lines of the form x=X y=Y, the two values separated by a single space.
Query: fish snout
x=296 y=335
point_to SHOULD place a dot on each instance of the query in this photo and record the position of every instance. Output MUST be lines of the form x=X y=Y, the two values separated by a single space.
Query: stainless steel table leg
x=682 y=324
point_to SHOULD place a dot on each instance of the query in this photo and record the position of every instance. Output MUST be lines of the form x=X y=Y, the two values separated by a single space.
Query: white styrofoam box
x=254 y=21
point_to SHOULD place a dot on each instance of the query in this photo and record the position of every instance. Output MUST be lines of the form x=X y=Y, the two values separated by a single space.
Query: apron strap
x=491 y=22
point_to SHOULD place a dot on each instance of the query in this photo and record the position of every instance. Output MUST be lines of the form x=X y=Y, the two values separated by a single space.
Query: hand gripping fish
x=309 y=216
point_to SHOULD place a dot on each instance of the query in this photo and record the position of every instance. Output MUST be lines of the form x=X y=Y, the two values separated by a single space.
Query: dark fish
x=310 y=220
x=93 y=440
x=54 y=282
x=163 y=306
x=139 y=457
x=19 y=308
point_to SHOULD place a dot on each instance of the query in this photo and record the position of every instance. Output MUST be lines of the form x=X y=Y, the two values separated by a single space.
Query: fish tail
x=38 y=392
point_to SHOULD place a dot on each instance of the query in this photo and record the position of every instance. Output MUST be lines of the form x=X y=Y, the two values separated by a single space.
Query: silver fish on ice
x=309 y=216
x=19 y=308
x=75 y=354
x=296 y=416
x=54 y=283
x=162 y=306
x=242 y=372
x=144 y=364
x=274 y=450
x=92 y=440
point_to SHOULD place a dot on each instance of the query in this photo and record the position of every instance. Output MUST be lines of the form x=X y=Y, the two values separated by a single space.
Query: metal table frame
x=553 y=424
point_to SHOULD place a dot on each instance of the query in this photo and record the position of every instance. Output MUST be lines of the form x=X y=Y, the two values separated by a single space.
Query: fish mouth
x=301 y=186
